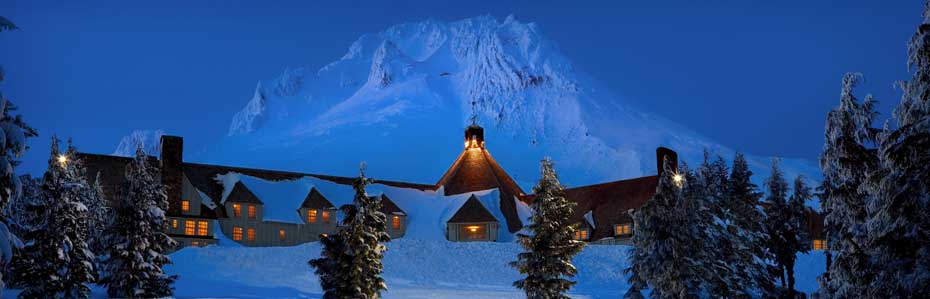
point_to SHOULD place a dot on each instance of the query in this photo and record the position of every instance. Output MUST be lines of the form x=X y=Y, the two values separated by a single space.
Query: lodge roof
x=609 y=203
x=241 y=193
x=472 y=211
x=316 y=200
x=476 y=170
x=389 y=207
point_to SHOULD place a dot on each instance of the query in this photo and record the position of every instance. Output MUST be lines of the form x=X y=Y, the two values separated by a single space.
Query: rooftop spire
x=474 y=134
x=474 y=113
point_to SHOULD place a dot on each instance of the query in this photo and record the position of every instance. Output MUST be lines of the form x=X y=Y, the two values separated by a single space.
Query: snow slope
x=413 y=269
x=400 y=98
x=148 y=140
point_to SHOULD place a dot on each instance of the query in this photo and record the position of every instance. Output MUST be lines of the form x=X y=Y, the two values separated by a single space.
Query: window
x=325 y=216
x=252 y=212
x=623 y=230
x=237 y=233
x=202 y=228
x=311 y=216
x=237 y=210
x=820 y=244
x=185 y=205
x=195 y=243
x=174 y=223
x=474 y=232
x=581 y=235
x=189 y=226
x=395 y=222
x=250 y=235
x=281 y=235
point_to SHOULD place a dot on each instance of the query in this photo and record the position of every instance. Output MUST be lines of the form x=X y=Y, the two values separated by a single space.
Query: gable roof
x=316 y=200
x=389 y=207
x=241 y=193
x=476 y=170
x=472 y=211
x=609 y=203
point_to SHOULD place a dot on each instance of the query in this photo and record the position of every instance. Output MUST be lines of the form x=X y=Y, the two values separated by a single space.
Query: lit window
x=623 y=230
x=395 y=222
x=251 y=212
x=311 y=216
x=581 y=235
x=202 y=228
x=174 y=223
x=189 y=226
x=281 y=235
x=474 y=232
x=185 y=205
x=237 y=210
x=325 y=216
x=195 y=243
x=820 y=244
x=237 y=233
x=250 y=234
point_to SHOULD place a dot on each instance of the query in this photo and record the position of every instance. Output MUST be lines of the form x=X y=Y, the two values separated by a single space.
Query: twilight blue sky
x=758 y=76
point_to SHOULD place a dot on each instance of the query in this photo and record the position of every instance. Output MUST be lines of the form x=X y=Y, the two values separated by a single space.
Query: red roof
x=475 y=170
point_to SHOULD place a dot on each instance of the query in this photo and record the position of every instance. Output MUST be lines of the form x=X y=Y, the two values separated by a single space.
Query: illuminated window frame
x=581 y=234
x=625 y=229
x=395 y=222
x=190 y=227
x=250 y=235
x=185 y=205
x=252 y=212
x=282 y=235
x=237 y=233
x=819 y=244
x=174 y=223
x=203 y=228
x=325 y=216
x=311 y=216
x=237 y=210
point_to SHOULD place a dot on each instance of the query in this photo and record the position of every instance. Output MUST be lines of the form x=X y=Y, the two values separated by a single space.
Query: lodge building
x=205 y=208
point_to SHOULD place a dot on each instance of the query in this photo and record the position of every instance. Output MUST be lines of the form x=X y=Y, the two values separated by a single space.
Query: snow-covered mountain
x=400 y=98
x=149 y=140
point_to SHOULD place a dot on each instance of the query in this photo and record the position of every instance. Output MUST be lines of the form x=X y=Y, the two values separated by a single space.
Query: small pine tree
x=743 y=202
x=847 y=163
x=795 y=230
x=660 y=257
x=547 y=261
x=62 y=264
x=777 y=221
x=351 y=261
x=137 y=242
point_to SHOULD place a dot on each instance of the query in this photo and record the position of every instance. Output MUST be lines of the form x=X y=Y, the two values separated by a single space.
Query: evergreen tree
x=350 y=265
x=13 y=134
x=777 y=223
x=743 y=202
x=723 y=259
x=62 y=264
x=661 y=256
x=547 y=262
x=899 y=228
x=137 y=242
x=795 y=231
x=847 y=163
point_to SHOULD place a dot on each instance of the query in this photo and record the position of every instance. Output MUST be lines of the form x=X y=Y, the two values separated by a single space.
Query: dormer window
x=395 y=222
x=185 y=205
x=325 y=216
x=251 y=211
x=311 y=216
x=581 y=234
x=623 y=229
x=237 y=210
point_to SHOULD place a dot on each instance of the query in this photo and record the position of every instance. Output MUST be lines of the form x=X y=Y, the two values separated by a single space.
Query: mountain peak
x=148 y=140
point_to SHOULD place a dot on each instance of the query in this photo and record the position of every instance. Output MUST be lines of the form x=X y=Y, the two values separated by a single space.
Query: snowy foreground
x=413 y=269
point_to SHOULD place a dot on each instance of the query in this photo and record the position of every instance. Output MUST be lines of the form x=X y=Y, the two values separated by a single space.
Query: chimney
x=474 y=136
x=661 y=154
x=172 y=150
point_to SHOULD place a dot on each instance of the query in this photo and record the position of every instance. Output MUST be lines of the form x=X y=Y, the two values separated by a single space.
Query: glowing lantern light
x=62 y=159
x=678 y=179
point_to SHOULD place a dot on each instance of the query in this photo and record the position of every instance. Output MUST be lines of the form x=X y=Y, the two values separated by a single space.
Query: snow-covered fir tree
x=547 y=262
x=351 y=263
x=136 y=239
x=899 y=227
x=61 y=265
x=778 y=223
x=847 y=162
x=661 y=254
x=743 y=203
x=12 y=145
x=796 y=239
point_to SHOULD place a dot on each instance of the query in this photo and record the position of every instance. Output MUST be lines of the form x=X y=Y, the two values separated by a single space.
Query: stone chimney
x=661 y=154
x=172 y=151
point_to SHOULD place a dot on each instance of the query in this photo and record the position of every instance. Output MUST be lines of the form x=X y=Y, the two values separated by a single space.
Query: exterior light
x=473 y=228
x=62 y=159
x=678 y=179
